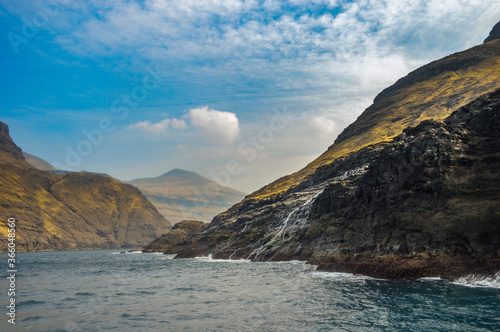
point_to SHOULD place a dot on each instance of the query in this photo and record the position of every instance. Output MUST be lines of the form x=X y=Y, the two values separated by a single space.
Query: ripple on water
x=146 y=293
x=29 y=302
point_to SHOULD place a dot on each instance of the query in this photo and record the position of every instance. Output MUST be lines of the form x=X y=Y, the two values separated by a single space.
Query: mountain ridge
x=71 y=211
x=480 y=74
x=183 y=195
x=38 y=162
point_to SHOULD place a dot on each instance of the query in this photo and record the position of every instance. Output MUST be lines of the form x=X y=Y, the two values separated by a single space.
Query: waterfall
x=298 y=218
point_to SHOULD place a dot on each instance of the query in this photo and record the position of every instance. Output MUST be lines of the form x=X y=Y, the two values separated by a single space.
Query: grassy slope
x=431 y=92
x=74 y=211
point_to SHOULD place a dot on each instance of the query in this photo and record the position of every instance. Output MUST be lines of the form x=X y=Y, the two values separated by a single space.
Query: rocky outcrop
x=9 y=152
x=180 y=235
x=426 y=203
x=494 y=33
x=71 y=211
x=434 y=190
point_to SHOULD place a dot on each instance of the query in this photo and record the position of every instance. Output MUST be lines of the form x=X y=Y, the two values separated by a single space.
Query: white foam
x=431 y=279
x=169 y=256
x=296 y=262
x=342 y=276
x=217 y=260
x=479 y=281
x=336 y=275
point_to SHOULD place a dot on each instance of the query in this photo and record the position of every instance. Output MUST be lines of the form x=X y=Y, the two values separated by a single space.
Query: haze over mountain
x=410 y=189
x=72 y=211
x=182 y=195
x=38 y=163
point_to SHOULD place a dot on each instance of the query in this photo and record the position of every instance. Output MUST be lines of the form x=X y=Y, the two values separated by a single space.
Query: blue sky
x=266 y=84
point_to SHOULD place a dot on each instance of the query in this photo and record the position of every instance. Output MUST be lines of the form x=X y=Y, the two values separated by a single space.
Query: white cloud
x=322 y=128
x=268 y=39
x=152 y=128
x=179 y=124
x=325 y=59
x=221 y=126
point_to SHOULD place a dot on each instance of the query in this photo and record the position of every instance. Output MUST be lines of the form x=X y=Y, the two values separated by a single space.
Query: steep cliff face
x=72 y=211
x=494 y=34
x=433 y=191
x=9 y=152
x=433 y=91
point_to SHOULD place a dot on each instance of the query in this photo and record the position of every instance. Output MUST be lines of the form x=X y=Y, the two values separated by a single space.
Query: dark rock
x=180 y=235
x=494 y=33
x=434 y=191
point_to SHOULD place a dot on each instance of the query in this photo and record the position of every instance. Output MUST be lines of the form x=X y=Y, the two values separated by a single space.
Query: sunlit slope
x=75 y=211
x=72 y=211
x=430 y=92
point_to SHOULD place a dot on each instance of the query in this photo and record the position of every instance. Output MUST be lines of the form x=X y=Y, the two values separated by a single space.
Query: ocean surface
x=108 y=291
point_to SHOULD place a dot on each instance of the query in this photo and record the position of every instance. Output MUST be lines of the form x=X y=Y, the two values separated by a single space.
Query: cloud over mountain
x=221 y=127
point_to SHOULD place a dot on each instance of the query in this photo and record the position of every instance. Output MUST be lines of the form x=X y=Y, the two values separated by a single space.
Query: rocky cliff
x=72 y=211
x=433 y=91
x=428 y=199
x=179 y=235
x=408 y=190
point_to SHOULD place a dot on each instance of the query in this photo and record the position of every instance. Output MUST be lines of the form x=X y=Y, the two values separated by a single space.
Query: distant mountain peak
x=178 y=171
x=494 y=33
x=180 y=194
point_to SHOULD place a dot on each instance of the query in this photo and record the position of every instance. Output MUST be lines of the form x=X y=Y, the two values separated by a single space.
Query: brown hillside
x=72 y=211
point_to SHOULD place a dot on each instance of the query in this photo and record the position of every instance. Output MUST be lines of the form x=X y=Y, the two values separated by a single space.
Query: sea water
x=109 y=291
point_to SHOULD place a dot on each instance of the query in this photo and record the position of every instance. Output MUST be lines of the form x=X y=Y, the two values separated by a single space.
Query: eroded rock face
x=433 y=191
x=179 y=235
x=8 y=150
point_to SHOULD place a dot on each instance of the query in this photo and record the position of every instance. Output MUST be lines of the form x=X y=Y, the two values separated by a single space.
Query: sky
x=242 y=92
